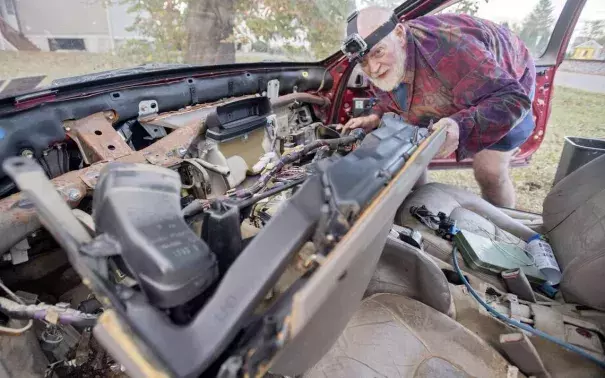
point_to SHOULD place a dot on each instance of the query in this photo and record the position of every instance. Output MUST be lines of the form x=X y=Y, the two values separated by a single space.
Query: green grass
x=574 y=113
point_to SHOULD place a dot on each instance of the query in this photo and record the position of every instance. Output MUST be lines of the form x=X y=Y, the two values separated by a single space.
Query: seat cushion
x=470 y=212
x=395 y=336
x=574 y=215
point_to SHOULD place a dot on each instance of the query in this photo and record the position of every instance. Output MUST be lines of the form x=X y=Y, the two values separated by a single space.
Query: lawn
x=574 y=113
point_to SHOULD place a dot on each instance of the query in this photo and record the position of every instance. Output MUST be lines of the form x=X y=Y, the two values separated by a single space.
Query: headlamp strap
x=377 y=35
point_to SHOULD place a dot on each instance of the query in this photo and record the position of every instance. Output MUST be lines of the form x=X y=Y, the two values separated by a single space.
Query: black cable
x=252 y=200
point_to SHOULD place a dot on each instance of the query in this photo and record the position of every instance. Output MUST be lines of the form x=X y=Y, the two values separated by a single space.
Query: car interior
x=196 y=221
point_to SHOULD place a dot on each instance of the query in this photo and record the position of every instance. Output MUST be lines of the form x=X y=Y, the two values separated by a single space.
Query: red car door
x=544 y=25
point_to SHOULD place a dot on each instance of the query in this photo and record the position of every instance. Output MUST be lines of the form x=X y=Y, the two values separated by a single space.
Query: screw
x=74 y=194
x=67 y=129
x=182 y=151
x=27 y=153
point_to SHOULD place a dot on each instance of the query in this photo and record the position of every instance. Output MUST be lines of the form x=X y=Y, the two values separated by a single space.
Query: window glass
x=588 y=39
x=532 y=20
x=66 y=44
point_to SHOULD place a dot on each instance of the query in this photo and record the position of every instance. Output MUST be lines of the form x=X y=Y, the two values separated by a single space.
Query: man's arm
x=372 y=120
x=383 y=104
x=493 y=101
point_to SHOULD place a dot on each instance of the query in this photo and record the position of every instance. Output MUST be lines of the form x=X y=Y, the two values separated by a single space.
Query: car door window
x=588 y=39
x=532 y=20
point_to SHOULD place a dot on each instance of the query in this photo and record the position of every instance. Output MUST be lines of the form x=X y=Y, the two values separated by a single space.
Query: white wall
x=44 y=19
x=120 y=19
x=62 y=17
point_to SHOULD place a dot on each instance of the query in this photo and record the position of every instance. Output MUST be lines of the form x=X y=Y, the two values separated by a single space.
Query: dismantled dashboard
x=196 y=231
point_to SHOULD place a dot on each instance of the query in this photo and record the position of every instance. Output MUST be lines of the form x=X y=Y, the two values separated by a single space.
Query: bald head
x=384 y=63
x=370 y=18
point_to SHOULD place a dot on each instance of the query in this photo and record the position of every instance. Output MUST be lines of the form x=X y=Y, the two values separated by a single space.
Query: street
x=585 y=82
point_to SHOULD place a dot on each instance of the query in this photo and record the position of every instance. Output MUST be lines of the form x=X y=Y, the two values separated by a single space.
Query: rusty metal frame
x=17 y=214
x=96 y=137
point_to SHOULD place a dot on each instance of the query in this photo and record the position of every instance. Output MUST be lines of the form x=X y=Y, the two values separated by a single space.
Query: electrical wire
x=514 y=323
x=14 y=331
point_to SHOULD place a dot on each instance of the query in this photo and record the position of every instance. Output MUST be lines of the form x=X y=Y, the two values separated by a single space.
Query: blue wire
x=525 y=327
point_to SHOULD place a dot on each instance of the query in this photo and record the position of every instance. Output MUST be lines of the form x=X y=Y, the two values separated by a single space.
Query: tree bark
x=209 y=28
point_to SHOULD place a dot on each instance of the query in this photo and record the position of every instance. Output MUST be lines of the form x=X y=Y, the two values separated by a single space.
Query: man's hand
x=452 y=137
x=368 y=124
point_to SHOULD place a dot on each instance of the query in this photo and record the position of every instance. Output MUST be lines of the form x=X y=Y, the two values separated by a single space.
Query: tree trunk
x=209 y=32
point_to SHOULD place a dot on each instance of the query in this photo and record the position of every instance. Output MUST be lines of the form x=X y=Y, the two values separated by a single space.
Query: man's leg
x=491 y=172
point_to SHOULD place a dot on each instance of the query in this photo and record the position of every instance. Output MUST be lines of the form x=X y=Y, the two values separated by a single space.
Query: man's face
x=385 y=63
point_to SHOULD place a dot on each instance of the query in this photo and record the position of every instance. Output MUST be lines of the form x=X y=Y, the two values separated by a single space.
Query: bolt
x=67 y=129
x=74 y=194
x=245 y=138
x=182 y=151
x=27 y=153
x=330 y=238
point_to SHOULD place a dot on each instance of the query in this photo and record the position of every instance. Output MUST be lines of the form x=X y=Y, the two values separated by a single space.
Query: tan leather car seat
x=395 y=336
x=574 y=220
x=574 y=215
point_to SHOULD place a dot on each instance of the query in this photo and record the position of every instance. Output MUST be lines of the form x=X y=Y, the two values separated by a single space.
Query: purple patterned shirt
x=469 y=69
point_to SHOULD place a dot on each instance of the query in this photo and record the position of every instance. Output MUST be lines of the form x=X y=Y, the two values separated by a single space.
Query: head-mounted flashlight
x=355 y=47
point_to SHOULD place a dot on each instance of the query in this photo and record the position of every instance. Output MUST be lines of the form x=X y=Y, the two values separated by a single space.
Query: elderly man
x=469 y=75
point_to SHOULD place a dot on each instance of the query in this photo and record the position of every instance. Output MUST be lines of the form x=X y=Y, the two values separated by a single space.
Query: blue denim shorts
x=518 y=134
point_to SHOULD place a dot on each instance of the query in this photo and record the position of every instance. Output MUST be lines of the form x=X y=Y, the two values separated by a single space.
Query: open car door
x=545 y=26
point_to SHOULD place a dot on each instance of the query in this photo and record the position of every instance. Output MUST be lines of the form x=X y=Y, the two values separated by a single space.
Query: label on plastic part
x=544 y=259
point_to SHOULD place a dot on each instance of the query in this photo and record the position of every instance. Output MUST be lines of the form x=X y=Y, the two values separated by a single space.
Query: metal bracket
x=154 y=132
x=147 y=108
x=273 y=89
x=19 y=253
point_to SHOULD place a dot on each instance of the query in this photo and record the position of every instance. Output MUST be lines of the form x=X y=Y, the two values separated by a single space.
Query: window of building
x=10 y=7
x=66 y=44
